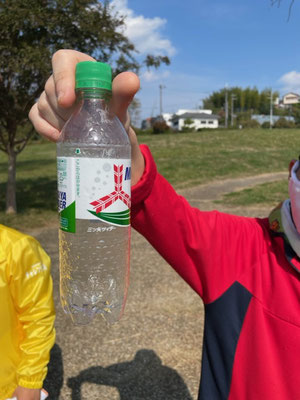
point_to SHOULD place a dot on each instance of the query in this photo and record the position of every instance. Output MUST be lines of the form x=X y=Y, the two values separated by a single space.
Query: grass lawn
x=185 y=159
x=36 y=187
x=269 y=194
x=199 y=157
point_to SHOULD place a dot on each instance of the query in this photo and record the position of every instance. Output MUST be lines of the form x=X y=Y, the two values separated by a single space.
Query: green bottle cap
x=93 y=74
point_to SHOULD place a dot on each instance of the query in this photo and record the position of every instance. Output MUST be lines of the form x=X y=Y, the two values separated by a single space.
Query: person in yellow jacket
x=27 y=315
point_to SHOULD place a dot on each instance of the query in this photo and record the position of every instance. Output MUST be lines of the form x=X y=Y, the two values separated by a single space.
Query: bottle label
x=93 y=188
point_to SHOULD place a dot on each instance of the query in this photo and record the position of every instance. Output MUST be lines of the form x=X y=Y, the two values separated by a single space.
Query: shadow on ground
x=55 y=377
x=142 y=378
x=33 y=193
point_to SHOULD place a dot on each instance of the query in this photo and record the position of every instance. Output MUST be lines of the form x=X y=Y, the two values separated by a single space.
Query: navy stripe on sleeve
x=223 y=323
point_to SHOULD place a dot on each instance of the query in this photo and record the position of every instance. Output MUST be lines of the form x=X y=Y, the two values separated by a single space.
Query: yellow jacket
x=26 y=312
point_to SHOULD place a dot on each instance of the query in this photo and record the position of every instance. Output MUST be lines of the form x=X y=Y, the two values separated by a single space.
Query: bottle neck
x=93 y=93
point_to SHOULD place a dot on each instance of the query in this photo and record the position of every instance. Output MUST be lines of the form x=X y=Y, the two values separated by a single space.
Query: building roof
x=291 y=94
x=197 y=111
x=193 y=115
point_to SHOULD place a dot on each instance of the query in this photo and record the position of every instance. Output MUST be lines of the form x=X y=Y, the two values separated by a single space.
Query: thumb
x=64 y=65
x=124 y=87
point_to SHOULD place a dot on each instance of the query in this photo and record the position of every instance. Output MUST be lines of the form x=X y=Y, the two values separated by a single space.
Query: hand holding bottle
x=56 y=103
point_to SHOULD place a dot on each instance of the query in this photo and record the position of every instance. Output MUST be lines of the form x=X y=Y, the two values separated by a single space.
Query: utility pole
x=153 y=108
x=161 y=87
x=233 y=97
x=271 y=109
x=226 y=107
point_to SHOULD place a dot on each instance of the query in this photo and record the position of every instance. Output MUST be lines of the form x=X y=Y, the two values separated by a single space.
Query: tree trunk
x=11 y=205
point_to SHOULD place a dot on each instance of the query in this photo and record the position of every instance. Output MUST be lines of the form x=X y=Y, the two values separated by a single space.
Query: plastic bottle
x=94 y=170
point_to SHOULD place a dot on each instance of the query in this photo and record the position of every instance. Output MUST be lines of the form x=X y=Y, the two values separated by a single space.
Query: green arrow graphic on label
x=119 y=218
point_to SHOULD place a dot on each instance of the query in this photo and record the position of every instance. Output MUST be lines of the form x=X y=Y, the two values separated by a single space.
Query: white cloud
x=290 y=81
x=151 y=76
x=143 y=32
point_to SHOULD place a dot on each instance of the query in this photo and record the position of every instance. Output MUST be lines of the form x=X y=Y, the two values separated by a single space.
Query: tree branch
x=24 y=141
x=4 y=142
x=290 y=8
x=3 y=149
x=278 y=2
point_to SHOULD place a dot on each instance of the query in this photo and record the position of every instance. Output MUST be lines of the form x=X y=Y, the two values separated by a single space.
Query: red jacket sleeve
x=210 y=250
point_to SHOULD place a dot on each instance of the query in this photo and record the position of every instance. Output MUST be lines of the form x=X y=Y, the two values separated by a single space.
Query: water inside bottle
x=94 y=273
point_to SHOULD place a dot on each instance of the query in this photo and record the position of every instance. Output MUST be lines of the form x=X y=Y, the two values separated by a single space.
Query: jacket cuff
x=142 y=189
x=32 y=381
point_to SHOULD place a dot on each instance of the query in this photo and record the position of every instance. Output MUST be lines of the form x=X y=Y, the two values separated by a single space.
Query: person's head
x=294 y=191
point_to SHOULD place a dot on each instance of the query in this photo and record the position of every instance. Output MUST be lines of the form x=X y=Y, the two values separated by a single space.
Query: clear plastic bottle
x=94 y=170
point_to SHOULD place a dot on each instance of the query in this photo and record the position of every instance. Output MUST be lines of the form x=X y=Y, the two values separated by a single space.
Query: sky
x=212 y=44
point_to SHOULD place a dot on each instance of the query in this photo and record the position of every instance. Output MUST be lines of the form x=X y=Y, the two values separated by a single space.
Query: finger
x=64 y=64
x=48 y=113
x=42 y=126
x=124 y=88
x=50 y=91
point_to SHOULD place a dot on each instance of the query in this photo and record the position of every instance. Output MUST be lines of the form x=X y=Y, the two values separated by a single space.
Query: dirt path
x=203 y=196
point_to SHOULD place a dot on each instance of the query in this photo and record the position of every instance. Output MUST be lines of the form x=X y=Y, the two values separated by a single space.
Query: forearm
x=167 y=221
x=39 y=338
x=205 y=248
x=32 y=369
x=32 y=293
